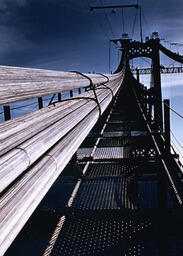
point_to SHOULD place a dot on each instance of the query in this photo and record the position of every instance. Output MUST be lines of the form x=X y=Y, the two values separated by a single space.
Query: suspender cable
x=108 y=21
x=109 y=56
x=123 y=20
x=99 y=23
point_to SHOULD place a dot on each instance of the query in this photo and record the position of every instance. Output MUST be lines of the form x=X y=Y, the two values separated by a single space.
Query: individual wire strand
x=172 y=63
x=173 y=110
x=144 y=59
x=178 y=143
x=176 y=149
x=24 y=106
x=145 y=21
x=122 y=18
x=49 y=98
x=172 y=142
x=102 y=26
x=109 y=56
x=176 y=139
x=98 y=21
x=108 y=21
x=134 y=22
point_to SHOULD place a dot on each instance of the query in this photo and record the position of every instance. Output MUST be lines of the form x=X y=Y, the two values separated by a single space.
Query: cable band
x=104 y=84
x=93 y=88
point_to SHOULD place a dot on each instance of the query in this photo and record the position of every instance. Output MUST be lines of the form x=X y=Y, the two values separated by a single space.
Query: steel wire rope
x=172 y=63
x=109 y=56
x=107 y=18
x=163 y=135
x=176 y=139
x=122 y=18
x=24 y=106
x=145 y=20
x=99 y=23
x=173 y=184
x=171 y=130
x=47 y=99
x=146 y=60
x=27 y=105
x=174 y=145
x=134 y=22
x=173 y=110
x=93 y=88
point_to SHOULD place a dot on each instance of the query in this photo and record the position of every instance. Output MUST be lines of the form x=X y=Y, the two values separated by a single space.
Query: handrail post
x=71 y=93
x=7 y=113
x=59 y=97
x=40 y=102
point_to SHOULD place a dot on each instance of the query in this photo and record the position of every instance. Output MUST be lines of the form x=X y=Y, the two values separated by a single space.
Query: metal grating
x=126 y=126
x=107 y=169
x=108 y=153
x=115 y=208
x=83 y=153
x=176 y=245
x=123 y=141
x=147 y=194
x=110 y=142
x=104 y=233
x=116 y=134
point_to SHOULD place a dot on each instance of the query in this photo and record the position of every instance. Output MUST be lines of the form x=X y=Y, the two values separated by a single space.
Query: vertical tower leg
x=157 y=85
x=167 y=126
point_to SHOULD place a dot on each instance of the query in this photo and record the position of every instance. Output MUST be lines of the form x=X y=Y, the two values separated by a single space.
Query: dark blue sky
x=65 y=35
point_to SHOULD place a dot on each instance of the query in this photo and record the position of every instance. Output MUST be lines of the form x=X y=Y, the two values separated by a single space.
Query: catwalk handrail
x=17 y=84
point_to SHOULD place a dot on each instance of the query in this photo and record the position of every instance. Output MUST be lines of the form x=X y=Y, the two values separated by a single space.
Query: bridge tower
x=150 y=49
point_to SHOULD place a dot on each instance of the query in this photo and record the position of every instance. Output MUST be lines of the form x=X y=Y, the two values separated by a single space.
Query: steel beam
x=114 y=6
x=163 y=70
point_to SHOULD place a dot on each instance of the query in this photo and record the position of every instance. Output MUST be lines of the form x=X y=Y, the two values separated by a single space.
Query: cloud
x=49 y=31
x=7 y=4
x=43 y=31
